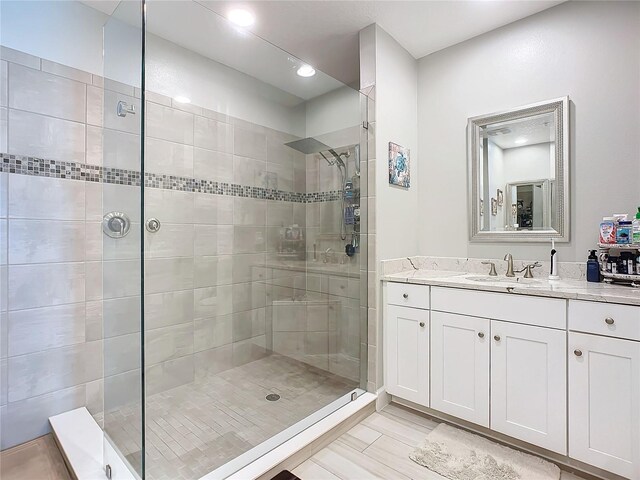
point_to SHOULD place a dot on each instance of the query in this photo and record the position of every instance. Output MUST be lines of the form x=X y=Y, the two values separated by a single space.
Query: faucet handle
x=529 y=268
x=492 y=270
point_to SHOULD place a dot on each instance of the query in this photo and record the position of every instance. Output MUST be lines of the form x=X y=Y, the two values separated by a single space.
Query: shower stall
x=183 y=232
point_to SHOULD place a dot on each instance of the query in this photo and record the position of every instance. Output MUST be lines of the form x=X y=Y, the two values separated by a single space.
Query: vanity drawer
x=543 y=312
x=416 y=296
x=612 y=320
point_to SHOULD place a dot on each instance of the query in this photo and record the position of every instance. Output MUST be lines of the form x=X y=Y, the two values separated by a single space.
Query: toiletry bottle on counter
x=593 y=268
x=636 y=228
x=623 y=232
x=608 y=230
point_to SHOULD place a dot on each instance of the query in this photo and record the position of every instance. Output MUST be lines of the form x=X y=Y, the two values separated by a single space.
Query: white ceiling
x=325 y=33
x=537 y=129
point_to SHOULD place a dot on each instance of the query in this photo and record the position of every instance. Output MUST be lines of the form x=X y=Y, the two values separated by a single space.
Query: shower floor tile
x=195 y=428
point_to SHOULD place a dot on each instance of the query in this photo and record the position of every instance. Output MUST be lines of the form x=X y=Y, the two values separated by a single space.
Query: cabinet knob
x=496 y=338
x=609 y=321
x=405 y=295
x=481 y=335
x=422 y=324
x=577 y=352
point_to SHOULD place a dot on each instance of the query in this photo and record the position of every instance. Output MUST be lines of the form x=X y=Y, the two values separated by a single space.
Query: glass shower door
x=120 y=198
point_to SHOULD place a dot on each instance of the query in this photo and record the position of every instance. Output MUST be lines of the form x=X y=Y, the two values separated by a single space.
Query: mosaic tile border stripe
x=23 y=165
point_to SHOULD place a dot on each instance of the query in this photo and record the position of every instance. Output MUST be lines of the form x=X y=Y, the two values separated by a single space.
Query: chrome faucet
x=509 y=259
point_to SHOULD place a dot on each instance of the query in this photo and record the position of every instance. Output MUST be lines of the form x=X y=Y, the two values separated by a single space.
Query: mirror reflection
x=518 y=158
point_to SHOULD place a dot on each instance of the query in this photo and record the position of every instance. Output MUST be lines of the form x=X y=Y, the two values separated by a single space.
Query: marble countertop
x=541 y=287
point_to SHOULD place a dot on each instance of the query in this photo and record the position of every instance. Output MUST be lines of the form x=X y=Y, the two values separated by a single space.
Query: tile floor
x=39 y=459
x=377 y=448
x=195 y=428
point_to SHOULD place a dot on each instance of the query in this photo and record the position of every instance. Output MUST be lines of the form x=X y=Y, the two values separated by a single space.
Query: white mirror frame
x=560 y=108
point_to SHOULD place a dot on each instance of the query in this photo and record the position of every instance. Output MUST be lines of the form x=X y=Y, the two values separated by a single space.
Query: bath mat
x=460 y=455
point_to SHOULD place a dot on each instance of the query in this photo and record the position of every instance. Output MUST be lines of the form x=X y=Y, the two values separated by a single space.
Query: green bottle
x=636 y=229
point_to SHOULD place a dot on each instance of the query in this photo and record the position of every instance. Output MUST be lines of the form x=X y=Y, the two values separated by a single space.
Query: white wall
x=587 y=50
x=530 y=162
x=71 y=33
x=62 y=31
x=398 y=209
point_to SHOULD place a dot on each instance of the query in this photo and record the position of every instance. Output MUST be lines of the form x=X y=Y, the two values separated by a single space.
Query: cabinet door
x=460 y=366
x=528 y=384
x=604 y=403
x=407 y=353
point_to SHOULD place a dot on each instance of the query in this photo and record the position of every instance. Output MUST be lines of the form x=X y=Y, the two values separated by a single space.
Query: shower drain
x=272 y=397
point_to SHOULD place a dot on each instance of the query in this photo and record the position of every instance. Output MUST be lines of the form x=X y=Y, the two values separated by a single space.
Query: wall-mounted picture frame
x=399 y=165
x=494 y=207
x=500 y=197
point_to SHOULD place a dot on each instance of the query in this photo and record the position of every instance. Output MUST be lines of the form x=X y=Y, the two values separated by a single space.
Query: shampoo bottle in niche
x=593 y=268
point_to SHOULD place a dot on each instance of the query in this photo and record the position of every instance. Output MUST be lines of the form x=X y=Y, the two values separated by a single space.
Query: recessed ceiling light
x=520 y=141
x=241 y=17
x=182 y=99
x=306 y=71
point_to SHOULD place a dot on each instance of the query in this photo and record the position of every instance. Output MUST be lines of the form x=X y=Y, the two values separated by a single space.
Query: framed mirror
x=519 y=174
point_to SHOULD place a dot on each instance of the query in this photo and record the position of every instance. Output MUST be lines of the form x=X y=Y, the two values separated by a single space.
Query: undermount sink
x=510 y=280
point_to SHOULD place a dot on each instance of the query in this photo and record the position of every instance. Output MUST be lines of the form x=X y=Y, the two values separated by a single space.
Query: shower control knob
x=153 y=225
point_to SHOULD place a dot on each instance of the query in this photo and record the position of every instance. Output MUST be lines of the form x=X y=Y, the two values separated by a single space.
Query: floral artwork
x=399 y=165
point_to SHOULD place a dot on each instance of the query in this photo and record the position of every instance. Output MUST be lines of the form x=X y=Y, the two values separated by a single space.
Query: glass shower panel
x=243 y=329
x=120 y=194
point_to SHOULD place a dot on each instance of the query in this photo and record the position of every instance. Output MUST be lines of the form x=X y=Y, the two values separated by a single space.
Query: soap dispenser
x=593 y=268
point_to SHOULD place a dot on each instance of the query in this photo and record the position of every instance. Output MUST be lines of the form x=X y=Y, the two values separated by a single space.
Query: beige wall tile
x=168 y=158
x=37 y=329
x=213 y=135
x=169 y=124
x=45 y=137
x=40 y=92
x=41 y=285
x=212 y=165
x=169 y=308
x=42 y=241
x=168 y=343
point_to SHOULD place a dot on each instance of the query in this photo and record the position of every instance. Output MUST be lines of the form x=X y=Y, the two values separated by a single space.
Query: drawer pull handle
x=405 y=295
x=481 y=335
x=577 y=353
x=422 y=324
x=609 y=321
x=496 y=338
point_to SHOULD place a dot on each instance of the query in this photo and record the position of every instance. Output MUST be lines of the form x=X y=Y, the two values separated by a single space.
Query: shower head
x=308 y=146
x=311 y=145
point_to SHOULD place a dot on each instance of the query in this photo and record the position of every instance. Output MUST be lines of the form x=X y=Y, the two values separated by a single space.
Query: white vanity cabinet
x=407 y=342
x=529 y=384
x=560 y=374
x=604 y=386
x=460 y=366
